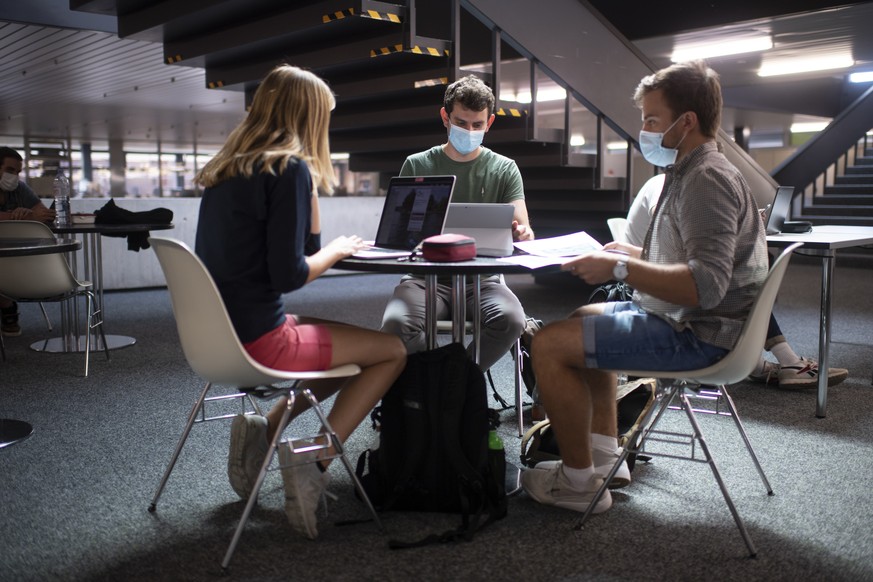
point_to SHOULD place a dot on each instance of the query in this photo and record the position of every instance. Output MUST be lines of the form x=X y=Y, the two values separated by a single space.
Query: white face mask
x=9 y=182
x=653 y=150
x=463 y=140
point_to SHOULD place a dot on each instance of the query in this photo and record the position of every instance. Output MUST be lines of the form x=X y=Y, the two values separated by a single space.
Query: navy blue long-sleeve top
x=251 y=236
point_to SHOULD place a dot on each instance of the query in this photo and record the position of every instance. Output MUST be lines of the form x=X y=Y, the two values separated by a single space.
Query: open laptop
x=779 y=212
x=415 y=208
x=490 y=224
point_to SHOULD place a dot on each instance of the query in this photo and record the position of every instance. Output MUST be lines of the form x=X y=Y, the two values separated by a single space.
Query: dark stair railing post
x=598 y=163
x=566 y=149
x=455 y=39
x=532 y=109
x=495 y=62
x=409 y=25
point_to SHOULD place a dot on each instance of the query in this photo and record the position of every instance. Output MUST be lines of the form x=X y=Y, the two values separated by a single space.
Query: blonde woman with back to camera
x=258 y=235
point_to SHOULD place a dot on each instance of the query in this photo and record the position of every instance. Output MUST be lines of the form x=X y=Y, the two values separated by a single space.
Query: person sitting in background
x=258 y=235
x=17 y=202
x=789 y=370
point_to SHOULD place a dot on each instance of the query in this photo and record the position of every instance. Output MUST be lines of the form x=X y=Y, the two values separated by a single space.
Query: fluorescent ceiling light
x=577 y=140
x=338 y=157
x=864 y=77
x=795 y=65
x=554 y=94
x=808 y=126
x=721 y=48
x=616 y=146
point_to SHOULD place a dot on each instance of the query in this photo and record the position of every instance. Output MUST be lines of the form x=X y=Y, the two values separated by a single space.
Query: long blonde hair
x=288 y=119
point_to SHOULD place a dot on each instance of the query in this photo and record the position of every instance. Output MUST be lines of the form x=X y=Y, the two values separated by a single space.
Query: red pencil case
x=448 y=248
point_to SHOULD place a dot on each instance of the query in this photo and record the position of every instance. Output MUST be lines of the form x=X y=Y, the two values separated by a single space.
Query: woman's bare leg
x=381 y=357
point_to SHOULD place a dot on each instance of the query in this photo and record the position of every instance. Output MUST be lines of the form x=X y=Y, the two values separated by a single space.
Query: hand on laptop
x=521 y=231
x=346 y=246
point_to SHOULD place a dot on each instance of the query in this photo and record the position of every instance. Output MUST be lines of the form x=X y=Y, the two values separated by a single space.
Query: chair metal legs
x=745 y=437
x=646 y=431
x=519 y=397
x=48 y=321
x=95 y=319
x=515 y=352
x=326 y=431
x=198 y=414
x=192 y=418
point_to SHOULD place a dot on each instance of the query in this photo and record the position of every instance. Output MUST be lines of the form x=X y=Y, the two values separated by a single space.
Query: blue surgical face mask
x=653 y=150
x=463 y=140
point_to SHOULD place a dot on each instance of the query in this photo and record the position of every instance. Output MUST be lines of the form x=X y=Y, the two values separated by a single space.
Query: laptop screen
x=489 y=223
x=415 y=208
x=780 y=210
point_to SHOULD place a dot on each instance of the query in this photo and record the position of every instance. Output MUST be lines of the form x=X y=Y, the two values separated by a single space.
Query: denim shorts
x=627 y=338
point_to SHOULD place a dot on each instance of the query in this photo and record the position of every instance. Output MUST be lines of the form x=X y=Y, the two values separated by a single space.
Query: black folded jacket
x=112 y=214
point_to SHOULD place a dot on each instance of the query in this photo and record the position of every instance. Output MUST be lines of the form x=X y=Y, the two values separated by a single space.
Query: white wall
x=124 y=269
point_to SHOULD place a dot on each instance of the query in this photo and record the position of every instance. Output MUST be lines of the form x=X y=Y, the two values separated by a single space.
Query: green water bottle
x=497 y=462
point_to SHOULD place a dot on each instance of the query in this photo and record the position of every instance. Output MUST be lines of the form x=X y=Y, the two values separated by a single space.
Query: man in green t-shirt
x=482 y=176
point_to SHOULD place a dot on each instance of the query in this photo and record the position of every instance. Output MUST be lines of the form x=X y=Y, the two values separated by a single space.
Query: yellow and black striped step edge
x=418 y=50
x=436 y=81
x=350 y=12
x=510 y=111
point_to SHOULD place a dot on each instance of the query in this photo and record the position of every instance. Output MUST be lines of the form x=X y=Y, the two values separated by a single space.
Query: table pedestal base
x=13 y=431
x=76 y=344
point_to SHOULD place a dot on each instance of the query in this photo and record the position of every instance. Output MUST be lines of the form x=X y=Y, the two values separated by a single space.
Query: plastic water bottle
x=62 y=199
x=497 y=462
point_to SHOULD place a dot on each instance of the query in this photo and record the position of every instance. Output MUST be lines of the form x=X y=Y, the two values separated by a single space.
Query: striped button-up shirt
x=707 y=218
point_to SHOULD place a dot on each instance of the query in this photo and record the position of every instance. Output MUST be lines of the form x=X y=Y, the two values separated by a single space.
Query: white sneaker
x=248 y=447
x=304 y=486
x=551 y=487
x=603 y=463
x=769 y=374
x=804 y=374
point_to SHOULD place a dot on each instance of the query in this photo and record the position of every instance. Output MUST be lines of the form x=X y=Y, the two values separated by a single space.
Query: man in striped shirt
x=696 y=276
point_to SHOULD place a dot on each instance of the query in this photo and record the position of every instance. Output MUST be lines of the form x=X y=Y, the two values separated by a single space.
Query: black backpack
x=433 y=445
x=635 y=398
x=610 y=292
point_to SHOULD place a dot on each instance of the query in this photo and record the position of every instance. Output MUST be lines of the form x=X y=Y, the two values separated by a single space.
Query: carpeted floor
x=74 y=496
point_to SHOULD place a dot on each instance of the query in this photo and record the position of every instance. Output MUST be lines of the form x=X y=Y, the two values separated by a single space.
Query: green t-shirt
x=489 y=178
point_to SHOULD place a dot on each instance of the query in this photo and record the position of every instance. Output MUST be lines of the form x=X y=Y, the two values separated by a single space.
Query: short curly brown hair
x=471 y=92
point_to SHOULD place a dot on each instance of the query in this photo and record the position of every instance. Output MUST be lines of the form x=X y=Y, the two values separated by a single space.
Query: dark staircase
x=849 y=200
x=389 y=65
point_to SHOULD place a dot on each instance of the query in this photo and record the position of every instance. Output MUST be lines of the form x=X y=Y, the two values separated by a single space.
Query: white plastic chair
x=27 y=229
x=680 y=386
x=215 y=353
x=43 y=278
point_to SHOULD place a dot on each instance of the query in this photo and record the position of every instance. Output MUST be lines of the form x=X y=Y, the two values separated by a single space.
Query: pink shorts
x=293 y=347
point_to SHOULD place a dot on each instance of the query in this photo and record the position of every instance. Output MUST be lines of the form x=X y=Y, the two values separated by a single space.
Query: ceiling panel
x=90 y=86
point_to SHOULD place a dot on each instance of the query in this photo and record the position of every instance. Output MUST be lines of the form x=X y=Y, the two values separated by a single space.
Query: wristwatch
x=619 y=271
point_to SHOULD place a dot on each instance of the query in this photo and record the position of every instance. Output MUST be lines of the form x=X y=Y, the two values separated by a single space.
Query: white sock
x=784 y=354
x=578 y=478
x=604 y=443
